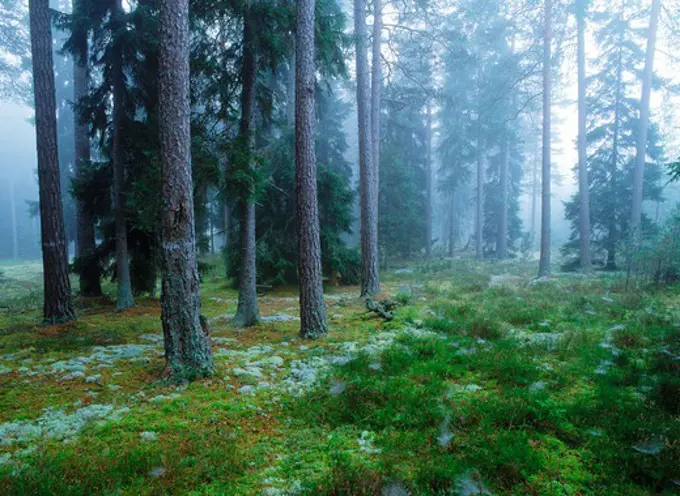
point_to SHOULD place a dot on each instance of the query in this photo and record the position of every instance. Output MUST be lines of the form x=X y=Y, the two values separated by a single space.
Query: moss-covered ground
x=487 y=381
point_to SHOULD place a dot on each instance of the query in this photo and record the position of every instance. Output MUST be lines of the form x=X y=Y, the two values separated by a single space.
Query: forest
x=339 y=247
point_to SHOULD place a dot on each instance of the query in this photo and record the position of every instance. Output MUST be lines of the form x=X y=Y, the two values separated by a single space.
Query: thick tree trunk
x=428 y=182
x=503 y=224
x=641 y=138
x=376 y=89
x=124 y=297
x=247 y=312
x=544 y=264
x=368 y=183
x=58 y=306
x=89 y=272
x=583 y=183
x=187 y=346
x=312 y=310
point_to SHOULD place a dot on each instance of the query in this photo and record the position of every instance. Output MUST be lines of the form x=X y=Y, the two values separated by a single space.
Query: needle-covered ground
x=485 y=382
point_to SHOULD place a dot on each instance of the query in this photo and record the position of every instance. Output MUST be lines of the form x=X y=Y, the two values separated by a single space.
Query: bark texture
x=247 y=312
x=544 y=263
x=312 y=310
x=583 y=183
x=368 y=180
x=58 y=306
x=124 y=297
x=89 y=272
x=187 y=347
x=641 y=138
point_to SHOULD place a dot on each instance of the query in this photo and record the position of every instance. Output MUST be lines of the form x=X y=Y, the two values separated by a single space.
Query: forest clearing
x=486 y=381
x=339 y=247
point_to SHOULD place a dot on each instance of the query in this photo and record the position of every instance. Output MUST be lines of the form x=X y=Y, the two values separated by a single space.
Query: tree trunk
x=544 y=264
x=227 y=218
x=368 y=184
x=247 y=312
x=58 y=306
x=312 y=310
x=290 y=88
x=479 y=210
x=612 y=238
x=641 y=138
x=15 y=228
x=503 y=224
x=89 y=272
x=428 y=182
x=534 y=199
x=583 y=183
x=124 y=295
x=188 y=352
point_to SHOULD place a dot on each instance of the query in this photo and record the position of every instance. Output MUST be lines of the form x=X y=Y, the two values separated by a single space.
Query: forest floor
x=486 y=381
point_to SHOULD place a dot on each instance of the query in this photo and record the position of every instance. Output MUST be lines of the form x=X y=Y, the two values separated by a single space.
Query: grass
x=452 y=401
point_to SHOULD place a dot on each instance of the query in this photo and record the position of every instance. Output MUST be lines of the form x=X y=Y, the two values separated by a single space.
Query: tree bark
x=534 y=198
x=188 y=352
x=428 y=181
x=227 y=219
x=612 y=238
x=247 y=312
x=89 y=272
x=544 y=264
x=368 y=183
x=503 y=224
x=583 y=183
x=641 y=138
x=124 y=297
x=479 y=205
x=58 y=306
x=312 y=310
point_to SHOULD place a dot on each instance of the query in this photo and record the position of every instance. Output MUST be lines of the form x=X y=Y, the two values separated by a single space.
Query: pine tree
x=58 y=306
x=544 y=264
x=368 y=182
x=247 y=312
x=584 y=193
x=187 y=343
x=87 y=262
x=312 y=310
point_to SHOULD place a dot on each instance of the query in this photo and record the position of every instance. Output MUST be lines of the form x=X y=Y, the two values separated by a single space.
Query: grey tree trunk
x=428 y=182
x=89 y=273
x=479 y=202
x=58 y=306
x=641 y=138
x=583 y=183
x=544 y=263
x=312 y=310
x=368 y=182
x=376 y=88
x=612 y=237
x=247 y=312
x=227 y=223
x=290 y=87
x=124 y=297
x=188 y=351
x=534 y=199
x=503 y=224
x=15 y=229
